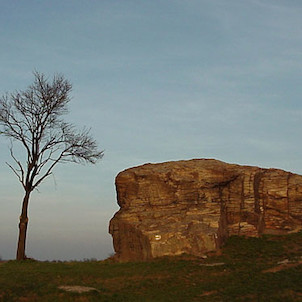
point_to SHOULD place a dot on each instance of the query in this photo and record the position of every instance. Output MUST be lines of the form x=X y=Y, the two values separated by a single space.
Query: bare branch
x=16 y=173
x=48 y=172
x=21 y=178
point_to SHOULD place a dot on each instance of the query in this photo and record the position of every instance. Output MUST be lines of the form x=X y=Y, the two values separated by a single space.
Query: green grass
x=243 y=277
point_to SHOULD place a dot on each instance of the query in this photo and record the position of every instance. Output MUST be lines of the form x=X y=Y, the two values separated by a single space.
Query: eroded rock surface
x=193 y=206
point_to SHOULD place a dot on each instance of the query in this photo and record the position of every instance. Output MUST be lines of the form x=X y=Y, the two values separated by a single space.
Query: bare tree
x=33 y=118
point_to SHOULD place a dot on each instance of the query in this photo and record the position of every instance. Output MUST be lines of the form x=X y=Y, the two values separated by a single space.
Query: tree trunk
x=23 y=229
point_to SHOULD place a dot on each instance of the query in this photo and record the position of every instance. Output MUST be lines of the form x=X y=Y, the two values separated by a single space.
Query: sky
x=156 y=81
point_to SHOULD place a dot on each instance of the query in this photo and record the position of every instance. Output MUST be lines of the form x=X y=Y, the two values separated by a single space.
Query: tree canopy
x=34 y=118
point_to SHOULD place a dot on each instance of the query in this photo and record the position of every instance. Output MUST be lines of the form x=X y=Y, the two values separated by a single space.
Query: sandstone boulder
x=193 y=206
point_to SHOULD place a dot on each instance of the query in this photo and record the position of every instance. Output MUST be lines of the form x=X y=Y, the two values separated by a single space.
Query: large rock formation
x=193 y=206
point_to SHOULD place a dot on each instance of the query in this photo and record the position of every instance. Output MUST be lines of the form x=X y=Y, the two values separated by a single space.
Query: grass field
x=251 y=269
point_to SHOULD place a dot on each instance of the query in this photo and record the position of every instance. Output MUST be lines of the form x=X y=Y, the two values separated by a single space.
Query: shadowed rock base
x=193 y=206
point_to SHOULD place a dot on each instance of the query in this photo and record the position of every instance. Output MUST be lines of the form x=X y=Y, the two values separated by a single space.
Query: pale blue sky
x=156 y=80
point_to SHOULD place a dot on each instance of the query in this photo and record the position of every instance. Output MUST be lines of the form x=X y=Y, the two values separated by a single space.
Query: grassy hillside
x=251 y=269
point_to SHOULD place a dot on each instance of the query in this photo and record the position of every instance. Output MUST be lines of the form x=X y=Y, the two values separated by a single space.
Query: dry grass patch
x=77 y=288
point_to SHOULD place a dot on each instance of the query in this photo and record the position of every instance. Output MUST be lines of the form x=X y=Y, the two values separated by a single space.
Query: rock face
x=193 y=206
